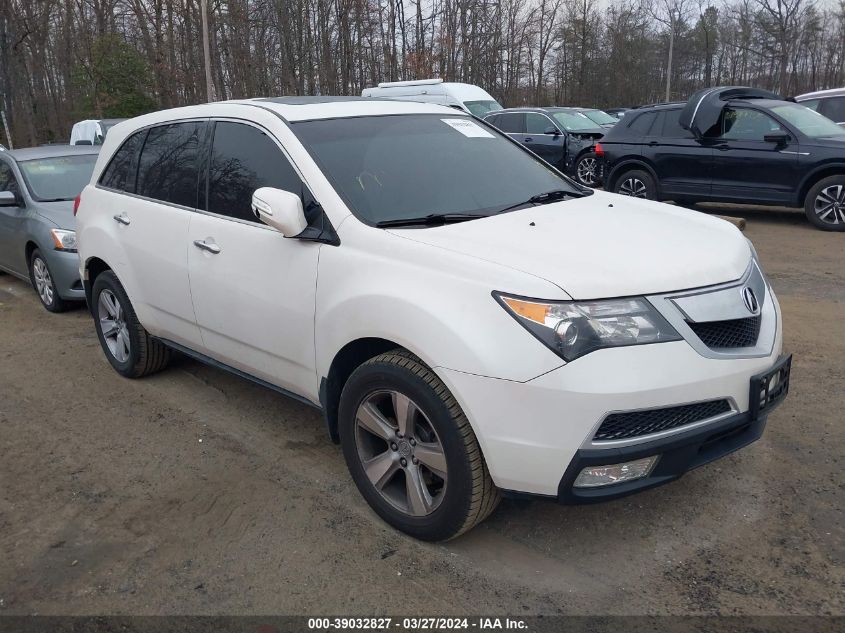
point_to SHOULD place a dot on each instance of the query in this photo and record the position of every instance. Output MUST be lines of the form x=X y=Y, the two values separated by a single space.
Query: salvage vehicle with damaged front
x=470 y=326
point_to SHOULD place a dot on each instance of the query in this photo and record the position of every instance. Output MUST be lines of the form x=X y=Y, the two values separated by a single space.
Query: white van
x=466 y=97
x=91 y=131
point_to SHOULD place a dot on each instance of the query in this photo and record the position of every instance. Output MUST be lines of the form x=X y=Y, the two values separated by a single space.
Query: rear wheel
x=411 y=450
x=588 y=170
x=128 y=347
x=42 y=281
x=637 y=184
x=825 y=204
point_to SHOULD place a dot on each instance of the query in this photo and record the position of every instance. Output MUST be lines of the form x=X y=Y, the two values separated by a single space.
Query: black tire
x=146 y=355
x=468 y=495
x=45 y=287
x=636 y=183
x=588 y=170
x=824 y=205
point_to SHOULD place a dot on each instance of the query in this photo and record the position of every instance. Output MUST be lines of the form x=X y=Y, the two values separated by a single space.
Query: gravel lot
x=195 y=492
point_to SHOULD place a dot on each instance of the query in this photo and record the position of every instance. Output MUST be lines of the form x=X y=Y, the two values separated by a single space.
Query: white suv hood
x=602 y=246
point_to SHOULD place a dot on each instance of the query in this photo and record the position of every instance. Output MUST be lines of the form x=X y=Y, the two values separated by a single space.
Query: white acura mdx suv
x=470 y=322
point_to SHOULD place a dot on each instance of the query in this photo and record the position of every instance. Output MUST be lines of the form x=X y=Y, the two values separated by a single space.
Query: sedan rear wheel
x=825 y=204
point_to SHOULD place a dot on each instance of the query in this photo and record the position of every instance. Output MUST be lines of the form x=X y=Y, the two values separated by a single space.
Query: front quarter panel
x=435 y=303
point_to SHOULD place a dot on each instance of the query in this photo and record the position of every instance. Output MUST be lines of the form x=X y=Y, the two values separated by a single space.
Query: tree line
x=65 y=60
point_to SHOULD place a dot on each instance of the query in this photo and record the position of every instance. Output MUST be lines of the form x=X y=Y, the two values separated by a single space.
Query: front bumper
x=537 y=435
x=64 y=268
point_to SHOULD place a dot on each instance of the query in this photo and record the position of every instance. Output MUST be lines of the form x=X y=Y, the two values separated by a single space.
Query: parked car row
x=735 y=145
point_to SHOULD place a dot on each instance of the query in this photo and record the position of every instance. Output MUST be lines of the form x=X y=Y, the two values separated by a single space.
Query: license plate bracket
x=769 y=388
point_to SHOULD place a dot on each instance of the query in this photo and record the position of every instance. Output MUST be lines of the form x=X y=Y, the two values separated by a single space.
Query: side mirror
x=8 y=199
x=280 y=209
x=778 y=138
x=552 y=130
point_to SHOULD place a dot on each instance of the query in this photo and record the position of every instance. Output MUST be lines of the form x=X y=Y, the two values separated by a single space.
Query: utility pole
x=205 y=48
x=669 y=64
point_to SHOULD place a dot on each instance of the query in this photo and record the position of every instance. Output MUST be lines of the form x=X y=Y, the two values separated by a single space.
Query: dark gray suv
x=563 y=137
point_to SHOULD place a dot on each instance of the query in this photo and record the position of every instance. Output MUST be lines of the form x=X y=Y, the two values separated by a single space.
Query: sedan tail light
x=76 y=201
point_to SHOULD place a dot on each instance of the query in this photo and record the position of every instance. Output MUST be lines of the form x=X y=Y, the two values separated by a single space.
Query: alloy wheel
x=113 y=326
x=633 y=187
x=401 y=454
x=830 y=205
x=43 y=280
x=587 y=169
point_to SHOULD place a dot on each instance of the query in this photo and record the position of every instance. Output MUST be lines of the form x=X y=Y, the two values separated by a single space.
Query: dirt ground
x=195 y=492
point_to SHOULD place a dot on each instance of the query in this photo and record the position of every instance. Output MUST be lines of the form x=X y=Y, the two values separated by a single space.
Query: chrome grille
x=618 y=426
x=732 y=333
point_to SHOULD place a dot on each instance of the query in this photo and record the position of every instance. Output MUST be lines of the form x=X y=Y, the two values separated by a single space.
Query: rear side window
x=833 y=108
x=493 y=120
x=641 y=125
x=243 y=159
x=167 y=169
x=120 y=174
x=672 y=127
x=511 y=123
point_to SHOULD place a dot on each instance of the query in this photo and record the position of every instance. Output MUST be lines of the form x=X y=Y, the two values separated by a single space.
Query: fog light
x=594 y=476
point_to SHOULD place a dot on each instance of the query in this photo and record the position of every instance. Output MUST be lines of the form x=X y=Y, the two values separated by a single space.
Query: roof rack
x=418 y=82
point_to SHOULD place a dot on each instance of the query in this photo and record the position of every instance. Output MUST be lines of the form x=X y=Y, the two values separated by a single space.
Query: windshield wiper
x=544 y=198
x=431 y=218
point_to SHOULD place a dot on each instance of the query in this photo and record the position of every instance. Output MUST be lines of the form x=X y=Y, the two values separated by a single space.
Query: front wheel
x=411 y=451
x=825 y=204
x=588 y=170
x=42 y=281
x=637 y=184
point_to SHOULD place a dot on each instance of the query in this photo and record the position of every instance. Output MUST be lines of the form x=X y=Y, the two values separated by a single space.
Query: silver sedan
x=37 y=239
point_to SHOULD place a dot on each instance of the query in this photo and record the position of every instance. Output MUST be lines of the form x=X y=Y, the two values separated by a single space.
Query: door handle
x=653 y=143
x=528 y=139
x=723 y=147
x=207 y=245
x=122 y=219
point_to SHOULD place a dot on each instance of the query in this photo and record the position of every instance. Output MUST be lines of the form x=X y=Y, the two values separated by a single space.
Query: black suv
x=731 y=145
x=563 y=137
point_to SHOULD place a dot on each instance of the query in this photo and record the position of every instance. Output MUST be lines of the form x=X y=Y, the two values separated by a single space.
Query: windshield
x=480 y=108
x=807 y=121
x=600 y=116
x=574 y=121
x=410 y=166
x=58 y=177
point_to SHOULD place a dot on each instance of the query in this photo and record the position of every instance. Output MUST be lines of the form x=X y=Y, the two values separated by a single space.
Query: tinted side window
x=512 y=122
x=243 y=158
x=536 y=123
x=120 y=174
x=747 y=125
x=641 y=125
x=493 y=120
x=813 y=104
x=167 y=169
x=7 y=179
x=671 y=126
x=833 y=108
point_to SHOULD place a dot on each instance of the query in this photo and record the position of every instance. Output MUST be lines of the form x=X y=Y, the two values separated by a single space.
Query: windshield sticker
x=468 y=128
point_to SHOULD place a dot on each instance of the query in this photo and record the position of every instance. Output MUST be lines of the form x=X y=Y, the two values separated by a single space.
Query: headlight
x=574 y=328
x=64 y=240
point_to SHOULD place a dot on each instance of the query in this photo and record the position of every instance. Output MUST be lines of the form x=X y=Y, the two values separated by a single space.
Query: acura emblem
x=750 y=300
